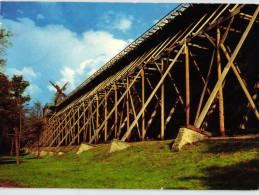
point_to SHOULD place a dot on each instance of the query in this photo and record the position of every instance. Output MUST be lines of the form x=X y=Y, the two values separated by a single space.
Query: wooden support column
x=220 y=92
x=127 y=105
x=225 y=71
x=84 y=134
x=187 y=85
x=78 y=125
x=89 y=124
x=143 y=102
x=152 y=94
x=105 y=116
x=116 y=111
x=162 y=103
x=73 y=125
x=66 y=127
x=97 y=116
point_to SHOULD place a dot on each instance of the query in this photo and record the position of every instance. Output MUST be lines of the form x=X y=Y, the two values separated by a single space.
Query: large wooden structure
x=197 y=66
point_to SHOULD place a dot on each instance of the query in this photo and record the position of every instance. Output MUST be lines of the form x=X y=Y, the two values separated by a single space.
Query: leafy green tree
x=4 y=43
x=34 y=124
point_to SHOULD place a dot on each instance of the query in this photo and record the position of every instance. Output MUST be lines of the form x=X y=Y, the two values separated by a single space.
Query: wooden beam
x=242 y=84
x=105 y=116
x=116 y=110
x=187 y=85
x=205 y=87
x=111 y=112
x=97 y=116
x=225 y=71
x=134 y=112
x=220 y=91
x=162 y=103
x=143 y=102
x=152 y=95
x=127 y=105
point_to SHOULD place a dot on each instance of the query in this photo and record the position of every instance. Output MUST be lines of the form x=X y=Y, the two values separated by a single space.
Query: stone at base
x=117 y=145
x=60 y=153
x=187 y=136
x=83 y=148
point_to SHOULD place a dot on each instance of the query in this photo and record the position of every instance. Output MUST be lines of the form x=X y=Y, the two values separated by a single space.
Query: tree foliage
x=12 y=111
x=4 y=43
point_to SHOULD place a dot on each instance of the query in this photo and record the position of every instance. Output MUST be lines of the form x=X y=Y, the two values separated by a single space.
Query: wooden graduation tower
x=197 y=66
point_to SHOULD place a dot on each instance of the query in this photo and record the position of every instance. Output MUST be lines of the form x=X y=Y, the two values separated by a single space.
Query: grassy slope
x=221 y=164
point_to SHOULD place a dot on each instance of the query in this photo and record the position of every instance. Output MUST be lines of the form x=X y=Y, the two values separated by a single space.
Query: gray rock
x=187 y=136
x=117 y=145
x=83 y=147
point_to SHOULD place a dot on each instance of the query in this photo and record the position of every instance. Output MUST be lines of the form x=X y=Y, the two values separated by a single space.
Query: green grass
x=221 y=164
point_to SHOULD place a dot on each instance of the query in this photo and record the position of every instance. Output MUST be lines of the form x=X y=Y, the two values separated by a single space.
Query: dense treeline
x=20 y=124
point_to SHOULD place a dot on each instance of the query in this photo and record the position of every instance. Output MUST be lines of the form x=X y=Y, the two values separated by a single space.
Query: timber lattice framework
x=197 y=66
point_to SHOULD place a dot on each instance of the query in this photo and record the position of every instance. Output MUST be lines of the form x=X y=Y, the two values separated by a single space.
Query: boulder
x=189 y=136
x=60 y=153
x=43 y=153
x=117 y=145
x=83 y=147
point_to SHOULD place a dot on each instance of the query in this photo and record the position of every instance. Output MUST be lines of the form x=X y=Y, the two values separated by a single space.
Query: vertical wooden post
x=90 y=124
x=225 y=70
x=127 y=104
x=78 y=125
x=105 y=116
x=73 y=124
x=97 y=116
x=187 y=85
x=84 y=134
x=66 y=127
x=143 y=102
x=62 y=133
x=116 y=111
x=220 y=92
x=162 y=103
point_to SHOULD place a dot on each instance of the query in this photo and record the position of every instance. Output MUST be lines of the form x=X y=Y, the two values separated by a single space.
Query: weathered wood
x=162 y=103
x=241 y=82
x=127 y=105
x=143 y=102
x=97 y=116
x=205 y=87
x=116 y=110
x=152 y=95
x=225 y=71
x=220 y=91
x=187 y=85
x=111 y=112
x=105 y=116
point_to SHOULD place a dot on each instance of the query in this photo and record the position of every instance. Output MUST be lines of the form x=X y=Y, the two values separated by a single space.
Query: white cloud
x=40 y=17
x=34 y=91
x=123 y=23
x=27 y=72
x=118 y=21
x=28 y=75
x=57 y=54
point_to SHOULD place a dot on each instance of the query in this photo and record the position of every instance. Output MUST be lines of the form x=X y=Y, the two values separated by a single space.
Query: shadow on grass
x=242 y=176
x=231 y=146
x=7 y=159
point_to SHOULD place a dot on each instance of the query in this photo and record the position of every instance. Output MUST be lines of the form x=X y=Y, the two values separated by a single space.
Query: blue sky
x=68 y=42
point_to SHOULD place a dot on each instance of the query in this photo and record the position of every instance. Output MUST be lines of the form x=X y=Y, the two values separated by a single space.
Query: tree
x=4 y=43
x=12 y=109
x=34 y=124
x=18 y=87
x=8 y=110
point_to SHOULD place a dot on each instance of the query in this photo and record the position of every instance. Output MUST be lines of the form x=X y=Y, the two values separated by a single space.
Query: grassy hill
x=214 y=164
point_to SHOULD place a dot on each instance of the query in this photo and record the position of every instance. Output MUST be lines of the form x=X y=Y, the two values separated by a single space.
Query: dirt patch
x=7 y=184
